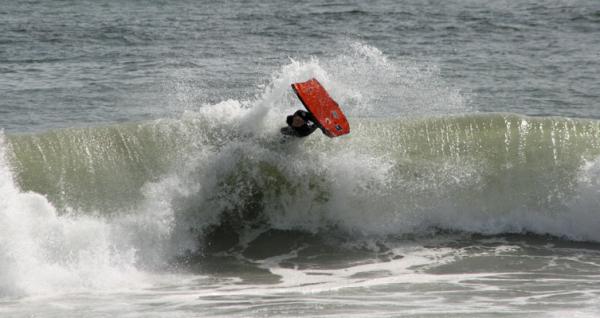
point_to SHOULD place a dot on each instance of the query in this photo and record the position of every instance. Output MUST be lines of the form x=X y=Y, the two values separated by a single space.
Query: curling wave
x=488 y=173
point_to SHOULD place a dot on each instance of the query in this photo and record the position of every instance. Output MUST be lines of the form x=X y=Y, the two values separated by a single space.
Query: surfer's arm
x=288 y=131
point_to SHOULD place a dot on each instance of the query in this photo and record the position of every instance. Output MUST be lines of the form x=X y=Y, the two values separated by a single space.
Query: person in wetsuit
x=300 y=124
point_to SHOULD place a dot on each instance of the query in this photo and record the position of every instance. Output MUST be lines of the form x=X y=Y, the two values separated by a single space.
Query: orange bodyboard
x=326 y=111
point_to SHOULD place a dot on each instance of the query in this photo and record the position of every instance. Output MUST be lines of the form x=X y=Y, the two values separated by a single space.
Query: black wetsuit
x=310 y=125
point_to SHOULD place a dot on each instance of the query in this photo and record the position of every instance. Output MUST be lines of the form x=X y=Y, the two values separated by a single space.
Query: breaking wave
x=486 y=173
x=82 y=203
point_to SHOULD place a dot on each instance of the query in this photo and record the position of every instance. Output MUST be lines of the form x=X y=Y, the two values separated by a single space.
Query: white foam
x=43 y=252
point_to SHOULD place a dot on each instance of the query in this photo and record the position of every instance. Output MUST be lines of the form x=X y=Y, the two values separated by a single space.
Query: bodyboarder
x=300 y=124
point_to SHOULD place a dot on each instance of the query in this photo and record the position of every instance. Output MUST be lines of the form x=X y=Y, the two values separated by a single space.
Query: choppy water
x=142 y=173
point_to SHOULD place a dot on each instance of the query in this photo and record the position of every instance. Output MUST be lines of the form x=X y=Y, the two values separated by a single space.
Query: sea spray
x=367 y=84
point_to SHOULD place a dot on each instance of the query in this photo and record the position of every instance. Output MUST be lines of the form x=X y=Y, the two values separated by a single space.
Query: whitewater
x=449 y=198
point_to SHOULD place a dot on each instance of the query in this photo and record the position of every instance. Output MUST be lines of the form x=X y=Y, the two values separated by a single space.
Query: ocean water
x=142 y=173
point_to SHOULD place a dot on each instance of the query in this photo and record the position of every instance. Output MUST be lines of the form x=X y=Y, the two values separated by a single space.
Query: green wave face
x=483 y=173
x=100 y=168
x=491 y=163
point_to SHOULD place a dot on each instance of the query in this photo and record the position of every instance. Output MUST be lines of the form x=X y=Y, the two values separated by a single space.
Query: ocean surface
x=142 y=173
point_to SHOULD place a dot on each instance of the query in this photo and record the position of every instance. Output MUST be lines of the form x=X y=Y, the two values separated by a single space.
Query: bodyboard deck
x=326 y=111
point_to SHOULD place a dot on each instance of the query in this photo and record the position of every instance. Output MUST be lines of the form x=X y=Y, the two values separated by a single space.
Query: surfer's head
x=295 y=120
x=298 y=121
